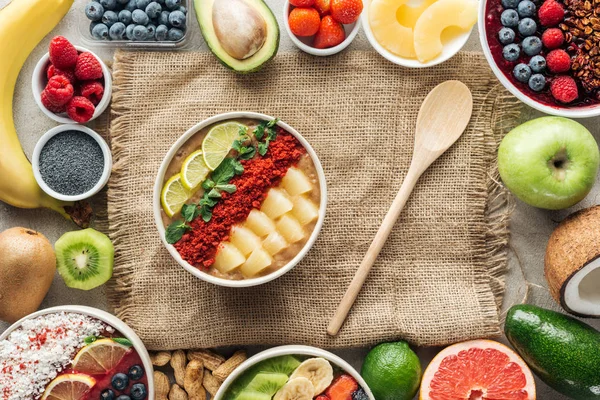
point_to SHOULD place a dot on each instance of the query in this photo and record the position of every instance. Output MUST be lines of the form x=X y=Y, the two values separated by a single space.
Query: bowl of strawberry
x=546 y=52
x=322 y=27
x=70 y=83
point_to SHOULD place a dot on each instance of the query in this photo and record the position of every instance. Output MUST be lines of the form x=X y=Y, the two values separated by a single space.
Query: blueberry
x=136 y=372
x=182 y=9
x=94 y=11
x=509 y=18
x=140 y=17
x=151 y=31
x=161 y=2
x=163 y=18
x=527 y=27
x=526 y=8
x=177 y=19
x=510 y=3
x=142 y=4
x=360 y=395
x=522 y=72
x=172 y=4
x=537 y=82
x=108 y=4
x=131 y=6
x=161 y=33
x=153 y=10
x=511 y=52
x=100 y=32
x=140 y=32
x=123 y=397
x=124 y=16
x=175 y=34
x=120 y=381
x=109 y=18
x=122 y=2
x=129 y=31
x=532 y=45
x=506 y=36
x=107 y=395
x=138 y=391
x=117 y=31
x=537 y=63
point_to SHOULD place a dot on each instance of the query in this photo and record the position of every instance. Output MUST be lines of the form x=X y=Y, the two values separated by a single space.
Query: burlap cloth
x=439 y=278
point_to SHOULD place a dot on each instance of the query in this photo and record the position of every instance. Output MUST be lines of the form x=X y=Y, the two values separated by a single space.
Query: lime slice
x=194 y=170
x=218 y=143
x=174 y=195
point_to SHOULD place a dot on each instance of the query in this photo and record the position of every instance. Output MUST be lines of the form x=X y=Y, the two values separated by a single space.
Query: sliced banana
x=318 y=371
x=296 y=389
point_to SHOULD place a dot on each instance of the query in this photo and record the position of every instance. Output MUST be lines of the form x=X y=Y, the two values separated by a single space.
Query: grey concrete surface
x=530 y=227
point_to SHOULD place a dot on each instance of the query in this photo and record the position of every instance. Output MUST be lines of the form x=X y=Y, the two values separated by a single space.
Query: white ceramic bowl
x=450 y=49
x=158 y=185
x=292 y=350
x=304 y=43
x=39 y=81
x=575 y=112
x=108 y=319
x=35 y=161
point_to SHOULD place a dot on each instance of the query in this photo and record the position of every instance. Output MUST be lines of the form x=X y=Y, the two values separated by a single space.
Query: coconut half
x=572 y=263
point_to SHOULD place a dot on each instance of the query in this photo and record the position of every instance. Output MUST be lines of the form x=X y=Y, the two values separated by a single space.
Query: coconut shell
x=574 y=243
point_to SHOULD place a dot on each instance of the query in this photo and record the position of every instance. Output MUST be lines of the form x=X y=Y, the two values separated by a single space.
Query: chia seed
x=71 y=163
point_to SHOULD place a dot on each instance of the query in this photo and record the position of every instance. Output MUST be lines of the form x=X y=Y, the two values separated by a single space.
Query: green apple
x=549 y=162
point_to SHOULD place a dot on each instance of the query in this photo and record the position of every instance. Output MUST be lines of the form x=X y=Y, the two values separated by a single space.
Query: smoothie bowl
x=240 y=199
x=294 y=372
x=73 y=353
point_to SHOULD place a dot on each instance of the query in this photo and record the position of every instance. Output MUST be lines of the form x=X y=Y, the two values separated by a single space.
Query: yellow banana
x=23 y=24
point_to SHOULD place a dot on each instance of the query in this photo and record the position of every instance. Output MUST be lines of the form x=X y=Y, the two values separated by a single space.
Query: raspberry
x=80 y=109
x=553 y=38
x=59 y=90
x=88 y=67
x=51 y=107
x=564 y=89
x=558 y=61
x=52 y=70
x=551 y=13
x=304 y=21
x=93 y=91
x=63 y=54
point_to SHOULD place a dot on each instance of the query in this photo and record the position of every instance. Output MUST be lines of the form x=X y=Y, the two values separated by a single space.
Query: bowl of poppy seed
x=71 y=162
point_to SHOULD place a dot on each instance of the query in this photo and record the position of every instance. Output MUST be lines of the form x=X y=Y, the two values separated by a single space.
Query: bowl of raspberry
x=71 y=84
x=545 y=52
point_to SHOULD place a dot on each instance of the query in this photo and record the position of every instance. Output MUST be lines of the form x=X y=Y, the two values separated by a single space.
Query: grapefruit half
x=477 y=370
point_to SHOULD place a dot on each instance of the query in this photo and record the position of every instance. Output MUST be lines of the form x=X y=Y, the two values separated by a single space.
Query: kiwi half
x=267 y=382
x=84 y=258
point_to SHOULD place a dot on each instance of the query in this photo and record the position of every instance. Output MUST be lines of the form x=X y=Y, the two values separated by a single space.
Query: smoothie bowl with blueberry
x=546 y=52
x=73 y=353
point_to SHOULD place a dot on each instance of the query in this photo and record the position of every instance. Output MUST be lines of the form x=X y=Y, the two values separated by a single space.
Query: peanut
x=211 y=360
x=161 y=358
x=228 y=366
x=194 y=373
x=178 y=363
x=161 y=385
x=211 y=384
x=177 y=393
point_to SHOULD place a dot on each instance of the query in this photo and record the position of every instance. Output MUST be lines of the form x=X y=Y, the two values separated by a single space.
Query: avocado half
x=242 y=34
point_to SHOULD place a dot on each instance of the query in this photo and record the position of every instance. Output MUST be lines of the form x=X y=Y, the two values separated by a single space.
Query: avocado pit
x=240 y=29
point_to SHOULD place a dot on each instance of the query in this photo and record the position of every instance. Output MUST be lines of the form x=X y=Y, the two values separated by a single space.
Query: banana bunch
x=310 y=379
x=23 y=24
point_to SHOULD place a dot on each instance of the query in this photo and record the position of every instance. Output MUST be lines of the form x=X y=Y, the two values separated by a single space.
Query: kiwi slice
x=252 y=395
x=84 y=258
x=267 y=382
x=283 y=365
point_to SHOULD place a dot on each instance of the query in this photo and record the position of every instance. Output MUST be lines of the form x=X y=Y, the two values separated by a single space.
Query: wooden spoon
x=442 y=119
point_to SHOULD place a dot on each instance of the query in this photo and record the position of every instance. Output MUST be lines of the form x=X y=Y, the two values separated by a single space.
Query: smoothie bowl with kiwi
x=239 y=199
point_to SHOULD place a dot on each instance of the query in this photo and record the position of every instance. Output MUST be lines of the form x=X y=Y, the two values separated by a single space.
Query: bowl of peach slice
x=240 y=199
x=418 y=33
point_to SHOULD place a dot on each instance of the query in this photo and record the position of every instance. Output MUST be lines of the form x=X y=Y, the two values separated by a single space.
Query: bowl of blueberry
x=135 y=23
x=545 y=52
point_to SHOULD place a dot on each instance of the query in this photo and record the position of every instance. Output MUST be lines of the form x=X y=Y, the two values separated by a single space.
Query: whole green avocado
x=562 y=351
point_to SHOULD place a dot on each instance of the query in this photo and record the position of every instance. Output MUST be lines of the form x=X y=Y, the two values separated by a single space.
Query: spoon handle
x=380 y=238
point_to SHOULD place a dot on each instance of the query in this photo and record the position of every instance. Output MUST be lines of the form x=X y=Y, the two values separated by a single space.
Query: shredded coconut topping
x=42 y=347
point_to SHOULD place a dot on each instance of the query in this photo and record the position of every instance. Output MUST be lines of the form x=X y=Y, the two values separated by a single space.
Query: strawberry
x=346 y=11
x=304 y=21
x=302 y=3
x=330 y=34
x=342 y=388
x=323 y=6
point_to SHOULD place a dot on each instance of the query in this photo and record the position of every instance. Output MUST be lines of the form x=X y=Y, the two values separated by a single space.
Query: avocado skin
x=562 y=351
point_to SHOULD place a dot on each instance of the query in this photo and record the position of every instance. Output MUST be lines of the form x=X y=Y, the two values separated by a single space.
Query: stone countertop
x=530 y=227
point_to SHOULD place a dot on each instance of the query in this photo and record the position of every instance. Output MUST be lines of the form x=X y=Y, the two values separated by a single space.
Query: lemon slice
x=69 y=387
x=194 y=170
x=174 y=195
x=218 y=143
x=99 y=357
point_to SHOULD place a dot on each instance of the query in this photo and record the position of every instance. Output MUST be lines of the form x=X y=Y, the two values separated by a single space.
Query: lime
x=193 y=170
x=219 y=141
x=392 y=371
x=174 y=195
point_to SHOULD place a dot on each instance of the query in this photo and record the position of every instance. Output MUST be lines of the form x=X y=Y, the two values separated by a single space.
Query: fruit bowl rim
x=105 y=317
x=39 y=76
x=292 y=350
x=575 y=112
x=157 y=207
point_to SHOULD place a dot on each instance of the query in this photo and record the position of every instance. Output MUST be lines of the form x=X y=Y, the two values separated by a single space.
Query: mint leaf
x=189 y=212
x=238 y=168
x=262 y=148
x=208 y=184
x=214 y=194
x=247 y=152
x=259 y=131
x=175 y=231
x=237 y=145
x=207 y=201
x=123 y=341
x=226 y=188
x=224 y=172
x=206 y=214
x=243 y=131
x=89 y=340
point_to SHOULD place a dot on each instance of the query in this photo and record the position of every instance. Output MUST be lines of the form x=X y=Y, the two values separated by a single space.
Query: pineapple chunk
x=304 y=210
x=228 y=258
x=295 y=182
x=244 y=239
x=276 y=204
x=389 y=32
x=274 y=243
x=290 y=228
x=260 y=223
x=258 y=261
